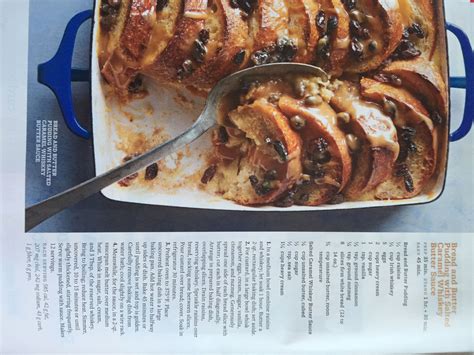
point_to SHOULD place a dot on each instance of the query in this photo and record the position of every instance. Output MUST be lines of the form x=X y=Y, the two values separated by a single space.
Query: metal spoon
x=207 y=119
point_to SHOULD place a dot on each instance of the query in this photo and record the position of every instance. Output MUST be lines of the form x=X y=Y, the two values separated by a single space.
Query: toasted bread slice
x=379 y=148
x=376 y=29
x=126 y=43
x=418 y=141
x=419 y=21
x=226 y=48
x=302 y=29
x=424 y=81
x=326 y=158
x=163 y=29
x=333 y=46
x=175 y=62
x=268 y=160
x=268 y=23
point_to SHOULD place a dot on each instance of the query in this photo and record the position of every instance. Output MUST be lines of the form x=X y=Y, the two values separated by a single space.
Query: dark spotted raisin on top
x=222 y=135
x=350 y=4
x=280 y=149
x=357 y=48
x=321 y=21
x=161 y=4
x=136 y=85
x=417 y=30
x=260 y=189
x=185 y=69
x=318 y=151
x=401 y=170
x=204 y=36
x=239 y=57
x=209 y=174
x=406 y=50
x=199 y=51
x=151 y=172
x=246 y=6
x=260 y=57
x=284 y=50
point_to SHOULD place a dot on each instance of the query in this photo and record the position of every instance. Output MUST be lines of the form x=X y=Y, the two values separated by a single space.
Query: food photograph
x=249 y=115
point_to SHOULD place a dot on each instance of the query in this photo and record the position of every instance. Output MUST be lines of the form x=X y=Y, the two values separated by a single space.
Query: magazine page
x=319 y=213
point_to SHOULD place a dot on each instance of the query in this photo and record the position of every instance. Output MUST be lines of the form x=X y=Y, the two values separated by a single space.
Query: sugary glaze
x=370 y=142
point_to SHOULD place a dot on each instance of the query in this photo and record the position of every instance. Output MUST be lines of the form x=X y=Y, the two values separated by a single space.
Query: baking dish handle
x=57 y=74
x=464 y=83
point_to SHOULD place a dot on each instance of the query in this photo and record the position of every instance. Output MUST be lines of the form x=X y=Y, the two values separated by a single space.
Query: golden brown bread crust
x=424 y=81
x=423 y=14
x=171 y=65
x=268 y=23
x=302 y=28
x=232 y=52
x=334 y=173
x=334 y=56
x=415 y=129
x=124 y=61
x=385 y=27
x=378 y=136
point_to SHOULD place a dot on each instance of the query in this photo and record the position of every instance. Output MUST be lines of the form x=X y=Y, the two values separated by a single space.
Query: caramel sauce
x=379 y=128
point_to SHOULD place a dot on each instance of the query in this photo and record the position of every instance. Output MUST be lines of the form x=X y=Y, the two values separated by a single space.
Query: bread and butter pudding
x=370 y=132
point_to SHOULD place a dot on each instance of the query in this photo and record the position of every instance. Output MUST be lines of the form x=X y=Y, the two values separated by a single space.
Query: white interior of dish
x=175 y=118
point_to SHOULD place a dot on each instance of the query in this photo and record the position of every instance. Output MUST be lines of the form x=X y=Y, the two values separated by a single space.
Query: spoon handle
x=40 y=212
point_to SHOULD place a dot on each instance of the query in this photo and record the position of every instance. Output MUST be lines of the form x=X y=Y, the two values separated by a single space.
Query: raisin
x=260 y=57
x=126 y=182
x=244 y=5
x=321 y=21
x=199 y=51
x=350 y=4
x=253 y=180
x=260 y=189
x=204 y=36
x=320 y=153
x=406 y=33
x=357 y=48
x=151 y=171
x=223 y=135
x=408 y=180
x=185 y=70
x=333 y=22
x=136 y=85
x=356 y=28
x=285 y=50
x=281 y=150
x=239 y=57
x=406 y=50
x=209 y=174
x=417 y=30
x=161 y=4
